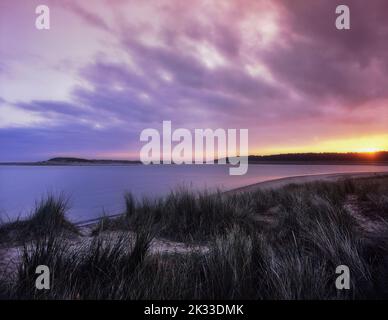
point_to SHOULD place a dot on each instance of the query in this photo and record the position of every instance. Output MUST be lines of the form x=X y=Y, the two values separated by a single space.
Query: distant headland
x=327 y=157
x=69 y=161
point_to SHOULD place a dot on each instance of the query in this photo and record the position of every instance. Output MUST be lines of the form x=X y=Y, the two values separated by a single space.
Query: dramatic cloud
x=104 y=72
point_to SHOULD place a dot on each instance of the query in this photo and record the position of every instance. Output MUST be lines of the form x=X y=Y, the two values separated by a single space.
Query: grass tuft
x=47 y=219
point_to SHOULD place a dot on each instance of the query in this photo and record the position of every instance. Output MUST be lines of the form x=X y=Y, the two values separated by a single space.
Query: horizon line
x=216 y=159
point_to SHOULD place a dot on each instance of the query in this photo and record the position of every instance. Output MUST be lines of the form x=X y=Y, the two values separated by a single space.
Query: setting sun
x=369 y=150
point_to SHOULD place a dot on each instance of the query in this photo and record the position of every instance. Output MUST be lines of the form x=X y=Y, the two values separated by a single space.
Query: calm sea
x=93 y=190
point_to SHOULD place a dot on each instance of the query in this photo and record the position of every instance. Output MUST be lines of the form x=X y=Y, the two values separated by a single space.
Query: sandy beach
x=278 y=183
x=270 y=184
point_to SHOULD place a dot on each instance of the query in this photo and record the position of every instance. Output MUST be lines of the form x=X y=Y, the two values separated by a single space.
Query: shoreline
x=270 y=184
x=281 y=182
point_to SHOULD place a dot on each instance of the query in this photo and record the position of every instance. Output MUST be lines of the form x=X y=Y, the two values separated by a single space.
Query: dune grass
x=275 y=244
x=183 y=215
x=48 y=218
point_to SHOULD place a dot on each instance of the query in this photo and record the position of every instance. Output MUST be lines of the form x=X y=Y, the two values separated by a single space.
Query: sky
x=108 y=69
